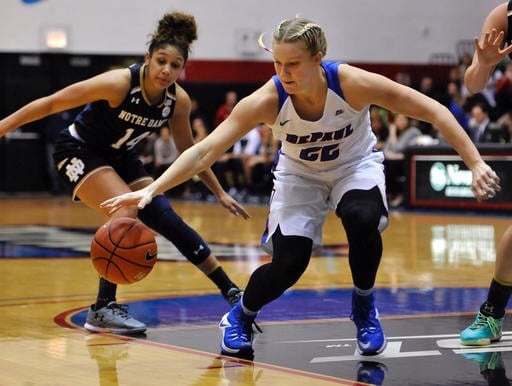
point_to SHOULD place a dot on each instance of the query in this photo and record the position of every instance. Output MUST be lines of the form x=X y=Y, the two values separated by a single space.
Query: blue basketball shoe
x=237 y=333
x=370 y=337
x=483 y=331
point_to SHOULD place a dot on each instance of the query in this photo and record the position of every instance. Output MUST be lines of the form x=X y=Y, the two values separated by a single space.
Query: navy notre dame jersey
x=121 y=128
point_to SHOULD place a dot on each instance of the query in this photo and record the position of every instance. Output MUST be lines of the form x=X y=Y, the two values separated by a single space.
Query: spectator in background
x=478 y=122
x=258 y=161
x=426 y=87
x=379 y=124
x=226 y=171
x=230 y=100
x=503 y=94
x=456 y=104
x=403 y=78
x=464 y=62
x=194 y=189
x=165 y=151
x=401 y=136
x=198 y=123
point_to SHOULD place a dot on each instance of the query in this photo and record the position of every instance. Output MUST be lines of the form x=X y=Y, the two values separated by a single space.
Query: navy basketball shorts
x=76 y=160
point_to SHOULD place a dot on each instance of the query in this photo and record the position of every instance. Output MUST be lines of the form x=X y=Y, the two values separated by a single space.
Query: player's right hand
x=140 y=198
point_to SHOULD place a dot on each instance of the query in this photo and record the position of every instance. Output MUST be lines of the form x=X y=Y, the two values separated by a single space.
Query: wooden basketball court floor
x=434 y=274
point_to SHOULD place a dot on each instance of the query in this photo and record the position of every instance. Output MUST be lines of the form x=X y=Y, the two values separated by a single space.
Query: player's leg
x=92 y=179
x=362 y=213
x=267 y=283
x=106 y=315
x=486 y=327
x=160 y=216
x=297 y=212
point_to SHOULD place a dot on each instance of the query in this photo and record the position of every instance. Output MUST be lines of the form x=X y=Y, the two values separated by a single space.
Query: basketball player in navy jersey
x=96 y=156
x=319 y=110
x=493 y=46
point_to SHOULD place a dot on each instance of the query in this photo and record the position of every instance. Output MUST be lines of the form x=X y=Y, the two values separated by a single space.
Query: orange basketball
x=123 y=250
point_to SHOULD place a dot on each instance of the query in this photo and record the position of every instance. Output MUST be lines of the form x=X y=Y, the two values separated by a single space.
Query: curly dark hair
x=176 y=29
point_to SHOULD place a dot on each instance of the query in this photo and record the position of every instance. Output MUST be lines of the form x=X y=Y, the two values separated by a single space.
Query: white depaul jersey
x=341 y=137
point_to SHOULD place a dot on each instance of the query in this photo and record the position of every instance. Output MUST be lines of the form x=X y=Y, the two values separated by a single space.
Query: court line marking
x=389 y=338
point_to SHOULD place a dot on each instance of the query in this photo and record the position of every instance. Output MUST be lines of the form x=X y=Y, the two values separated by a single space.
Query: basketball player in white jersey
x=319 y=110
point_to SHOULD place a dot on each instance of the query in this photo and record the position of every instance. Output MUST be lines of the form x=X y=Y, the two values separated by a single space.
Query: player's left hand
x=486 y=182
x=233 y=206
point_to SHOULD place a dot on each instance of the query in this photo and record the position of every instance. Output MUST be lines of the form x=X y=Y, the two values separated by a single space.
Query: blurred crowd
x=485 y=116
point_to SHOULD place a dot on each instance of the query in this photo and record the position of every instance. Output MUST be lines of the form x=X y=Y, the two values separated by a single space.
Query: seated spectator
x=456 y=104
x=503 y=94
x=401 y=136
x=198 y=123
x=229 y=170
x=194 y=189
x=429 y=88
x=164 y=150
x=478 y=122
x=258 y=162
x=165 y=153
x=506 y=123
x=222 y=112
x=379 y=124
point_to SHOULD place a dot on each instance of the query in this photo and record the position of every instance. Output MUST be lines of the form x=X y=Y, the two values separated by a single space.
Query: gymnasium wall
x=397 y=31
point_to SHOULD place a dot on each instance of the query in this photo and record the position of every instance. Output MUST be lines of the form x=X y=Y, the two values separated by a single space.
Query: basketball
x=123 y=250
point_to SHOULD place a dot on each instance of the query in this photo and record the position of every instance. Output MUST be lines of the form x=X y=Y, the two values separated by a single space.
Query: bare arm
x=111 y=86
x=363 y=88
x=489 y=49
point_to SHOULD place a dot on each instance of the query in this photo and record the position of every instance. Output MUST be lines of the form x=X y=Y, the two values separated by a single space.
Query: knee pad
x=160 y=216
x=362 y=211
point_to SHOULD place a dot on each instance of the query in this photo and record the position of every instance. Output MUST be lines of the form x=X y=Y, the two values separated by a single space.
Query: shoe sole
x=479 y=342
x=371 y=353
x=230 y=351
x=93 y=328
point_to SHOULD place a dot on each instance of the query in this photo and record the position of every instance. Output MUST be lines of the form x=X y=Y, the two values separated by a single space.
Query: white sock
x=247 y=311
x=362 y=292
